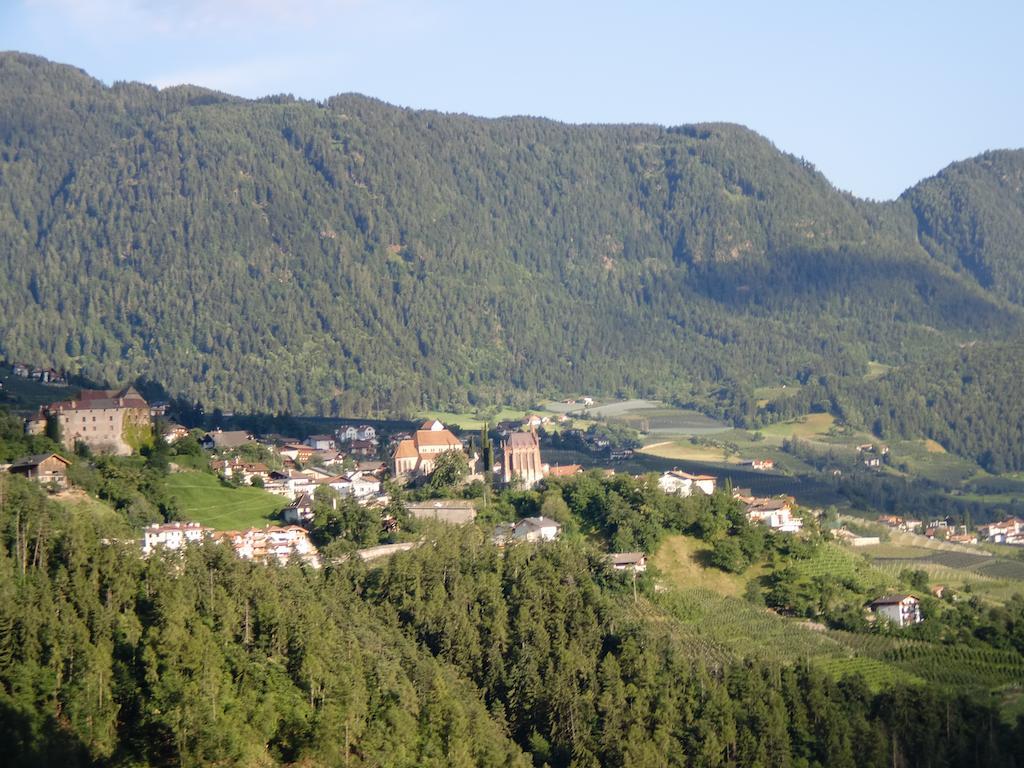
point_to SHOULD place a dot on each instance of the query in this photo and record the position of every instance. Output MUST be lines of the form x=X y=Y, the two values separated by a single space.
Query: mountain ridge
x=350 y=256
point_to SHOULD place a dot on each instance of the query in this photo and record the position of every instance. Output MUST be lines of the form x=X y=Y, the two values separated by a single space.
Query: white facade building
x=172 y=535
x=683 y=483
x=536 y=529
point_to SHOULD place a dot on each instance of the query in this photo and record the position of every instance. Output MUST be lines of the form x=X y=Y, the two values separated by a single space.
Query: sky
x=878 y=95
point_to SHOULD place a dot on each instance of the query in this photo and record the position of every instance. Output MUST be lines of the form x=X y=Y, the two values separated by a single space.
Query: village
x=358 y=463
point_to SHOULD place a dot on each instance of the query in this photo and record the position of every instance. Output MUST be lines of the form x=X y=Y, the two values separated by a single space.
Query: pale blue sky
x=877 y=94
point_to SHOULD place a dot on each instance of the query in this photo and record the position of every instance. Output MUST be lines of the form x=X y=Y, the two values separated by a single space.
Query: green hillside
x=349 y=257
x=201 y=498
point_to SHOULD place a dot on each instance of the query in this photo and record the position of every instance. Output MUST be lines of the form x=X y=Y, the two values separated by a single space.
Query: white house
x=366 y=432
x=289 y=483
x=777 y=514
x=346 y=434
x=361 y=484
x=299 y=511
x=901 y=610
x=683 y=483
x=532 y=420
x=536 y=529
x=1006 y=532
x=172 y=535
x=320 y=442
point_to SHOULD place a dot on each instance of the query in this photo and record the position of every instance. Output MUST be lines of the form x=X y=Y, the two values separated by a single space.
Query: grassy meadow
x=202 y=498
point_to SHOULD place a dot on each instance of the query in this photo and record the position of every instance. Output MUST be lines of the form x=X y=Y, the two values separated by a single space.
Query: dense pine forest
x=454 y=654
x=354 y=257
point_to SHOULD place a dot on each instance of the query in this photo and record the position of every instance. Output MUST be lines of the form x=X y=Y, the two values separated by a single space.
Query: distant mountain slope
x=352 y=256
x=971 y=216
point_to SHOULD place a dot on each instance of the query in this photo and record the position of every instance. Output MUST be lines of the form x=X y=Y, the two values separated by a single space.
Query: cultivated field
x=687 y=451
x=657 y=419
x=717 y=625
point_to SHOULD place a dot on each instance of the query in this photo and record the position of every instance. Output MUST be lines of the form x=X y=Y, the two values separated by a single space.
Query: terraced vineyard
x=966 y=567
x=956 y=666
x=964 y=560
x=1002 y=569
x=716 y=625
x=717 y=628
x=960 y=666
x=830 y=561
x=745 y=629
x=837 y=561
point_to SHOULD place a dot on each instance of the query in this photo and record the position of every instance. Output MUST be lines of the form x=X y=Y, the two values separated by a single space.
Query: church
x=521 y=459
x=415 y=456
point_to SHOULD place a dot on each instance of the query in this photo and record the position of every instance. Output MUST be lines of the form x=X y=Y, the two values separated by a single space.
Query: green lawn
x=683 y=563
x=811 y=425
x=203 y=499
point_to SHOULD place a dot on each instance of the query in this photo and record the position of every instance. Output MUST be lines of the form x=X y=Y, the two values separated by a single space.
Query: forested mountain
x=971 y=216
x=350 y=256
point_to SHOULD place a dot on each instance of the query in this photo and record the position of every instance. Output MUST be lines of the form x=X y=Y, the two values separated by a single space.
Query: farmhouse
x=900 y=523
x=854 y=540
x=567 y=471
x=289 y=483
x=44 y=468
x=218 y=440
x=299 y=511
x=175 y=432
x=320 y=442
x=297 y=452
x=777 y=514
x=901 y=610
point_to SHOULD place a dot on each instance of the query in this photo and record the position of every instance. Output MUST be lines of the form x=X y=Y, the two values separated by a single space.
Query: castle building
x=521 y=459
x=106 y=420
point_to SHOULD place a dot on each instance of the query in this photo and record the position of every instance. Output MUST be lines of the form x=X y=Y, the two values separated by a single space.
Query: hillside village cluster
x=348 y=462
